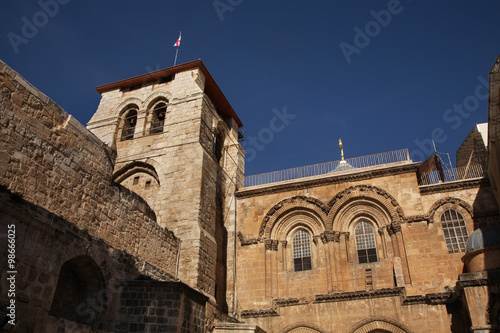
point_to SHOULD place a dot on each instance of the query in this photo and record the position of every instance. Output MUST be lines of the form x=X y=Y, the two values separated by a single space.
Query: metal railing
x=453 y=174
x=328 y=167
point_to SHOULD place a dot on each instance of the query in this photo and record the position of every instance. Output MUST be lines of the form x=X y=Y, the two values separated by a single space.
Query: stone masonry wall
x=411 y=249
x=44 y=243
x=151 y=306
x=193 y=195
x=51 y=160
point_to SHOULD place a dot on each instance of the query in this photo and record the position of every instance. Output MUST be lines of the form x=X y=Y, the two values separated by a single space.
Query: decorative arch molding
x=161 y=95
x=445 y=201
x=379 y=323
x=300 y=203
x=129 y=101
x=384 y=200
x=296 y=217
x=361 y=207
x=302 y=327
x=135 y=167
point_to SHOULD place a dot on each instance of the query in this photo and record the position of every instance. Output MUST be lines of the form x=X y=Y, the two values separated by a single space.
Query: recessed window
x=454 y=230
x=365 y=242
x=218 y=146
x=158 y=118
x=148 y=184
x=301 y=251
x=129 y=122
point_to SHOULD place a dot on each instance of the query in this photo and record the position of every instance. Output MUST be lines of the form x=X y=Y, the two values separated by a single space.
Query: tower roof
x=211 y=88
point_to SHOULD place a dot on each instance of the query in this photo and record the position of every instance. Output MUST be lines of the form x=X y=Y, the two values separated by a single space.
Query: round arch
x=134 y=167
x=451 y=202
x=289 y=207
x=161 y=95
x=294 y=218
x=379 y=324
x=361 y=207
x=80 y=285
x=124 y=106
x=374 y=197
x=302 y=327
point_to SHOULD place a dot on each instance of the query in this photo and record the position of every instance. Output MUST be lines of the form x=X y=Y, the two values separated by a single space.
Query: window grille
x=454 y=230
x=301 y=251
x=365 y=242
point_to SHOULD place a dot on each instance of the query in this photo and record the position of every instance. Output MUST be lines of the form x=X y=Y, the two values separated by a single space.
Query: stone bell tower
x=176 y=140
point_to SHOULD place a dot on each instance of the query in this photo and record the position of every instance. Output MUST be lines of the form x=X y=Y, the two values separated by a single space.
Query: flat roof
x=211 y=88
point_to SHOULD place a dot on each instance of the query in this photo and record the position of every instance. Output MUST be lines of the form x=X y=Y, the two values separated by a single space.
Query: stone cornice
x=472 y=254
x=453 y=186
x=259 y=313
x=327 y=179
x=355 y=295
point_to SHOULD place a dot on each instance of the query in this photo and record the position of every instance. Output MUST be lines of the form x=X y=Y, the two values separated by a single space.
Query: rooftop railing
x=452 y=174
x=328 y=168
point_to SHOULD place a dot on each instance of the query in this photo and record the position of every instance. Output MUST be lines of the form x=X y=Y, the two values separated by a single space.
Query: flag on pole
x=178 y=43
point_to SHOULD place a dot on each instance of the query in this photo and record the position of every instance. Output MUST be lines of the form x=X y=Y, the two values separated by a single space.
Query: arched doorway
x=379 y=325
x=303 y=330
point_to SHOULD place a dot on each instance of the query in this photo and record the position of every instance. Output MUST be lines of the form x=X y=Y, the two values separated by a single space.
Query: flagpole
x=177 y=44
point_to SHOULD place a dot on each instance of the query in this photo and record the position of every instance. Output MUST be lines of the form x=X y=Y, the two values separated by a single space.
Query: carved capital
x=315 y=239
x=330 y=236
x=271 y=244
x=394 y=228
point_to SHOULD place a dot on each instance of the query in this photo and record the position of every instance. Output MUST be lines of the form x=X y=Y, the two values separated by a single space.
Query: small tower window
x=218 y=146
x=158 y=118
x=454 y=230
x=365 y=242
x=129 y=122
x=301 y=251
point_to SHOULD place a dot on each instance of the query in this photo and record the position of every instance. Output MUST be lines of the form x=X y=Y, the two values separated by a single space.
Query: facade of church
x=145 y=222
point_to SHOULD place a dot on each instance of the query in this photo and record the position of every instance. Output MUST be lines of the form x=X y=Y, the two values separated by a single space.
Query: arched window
x=218 y=146
x=454 y=230
x=301 y=251
x=129 y=122
x=365 y=242
x=158 y=117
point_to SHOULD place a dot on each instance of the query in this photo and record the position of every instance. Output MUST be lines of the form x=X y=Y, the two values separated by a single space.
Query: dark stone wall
x=153 y=306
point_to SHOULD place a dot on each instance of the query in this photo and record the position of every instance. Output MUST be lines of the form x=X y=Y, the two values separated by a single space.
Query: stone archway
x=379 y=325
x=80 y=295
x=302 y=327
x=303 y=330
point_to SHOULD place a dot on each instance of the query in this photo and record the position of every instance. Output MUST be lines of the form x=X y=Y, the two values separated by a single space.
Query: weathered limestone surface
x=411 y=249
x=187 y=172
x=70 y=217
x=51 y=160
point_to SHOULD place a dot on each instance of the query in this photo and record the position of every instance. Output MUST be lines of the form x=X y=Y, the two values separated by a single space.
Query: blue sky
x=381 y=75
